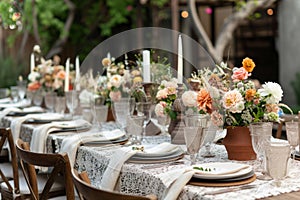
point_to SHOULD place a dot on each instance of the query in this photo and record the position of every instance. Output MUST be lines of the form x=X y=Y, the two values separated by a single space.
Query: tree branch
x=57 y=47
x=35 y=24
x=234 y=20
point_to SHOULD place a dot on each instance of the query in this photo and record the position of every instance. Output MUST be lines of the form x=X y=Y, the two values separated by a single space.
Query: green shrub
x=10 y=71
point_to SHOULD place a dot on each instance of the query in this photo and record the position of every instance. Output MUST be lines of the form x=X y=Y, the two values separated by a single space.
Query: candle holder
x=177 y=125
x=150 y=90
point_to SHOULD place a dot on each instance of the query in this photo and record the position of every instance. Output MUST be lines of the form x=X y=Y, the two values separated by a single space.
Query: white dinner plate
x=71 y=124
x=221 y=170
x=160 y=154
x=164 y=158
x=47 y=117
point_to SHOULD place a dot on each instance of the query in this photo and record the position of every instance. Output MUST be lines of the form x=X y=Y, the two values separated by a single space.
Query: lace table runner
x=134 y=179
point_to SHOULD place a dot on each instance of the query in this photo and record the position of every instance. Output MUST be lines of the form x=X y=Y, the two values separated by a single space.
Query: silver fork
x=153 y=166
x=233 y=189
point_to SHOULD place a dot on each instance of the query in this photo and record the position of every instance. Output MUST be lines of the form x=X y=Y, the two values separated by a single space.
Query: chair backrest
x=6 y=136
x=58 y=162
x=88 y=192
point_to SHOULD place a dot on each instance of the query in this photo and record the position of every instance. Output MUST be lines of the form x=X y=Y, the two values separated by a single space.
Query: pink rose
x=159 y=110
x=115 y=95
x=239 y=74
x=162 y=94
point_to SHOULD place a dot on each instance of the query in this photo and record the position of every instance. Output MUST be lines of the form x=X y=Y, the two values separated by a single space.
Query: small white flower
x=189 y=98
x=273 y=90
x=33 y=76
x=116 y=80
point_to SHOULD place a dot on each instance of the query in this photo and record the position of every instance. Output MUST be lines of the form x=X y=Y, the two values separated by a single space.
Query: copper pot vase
x=238 y=144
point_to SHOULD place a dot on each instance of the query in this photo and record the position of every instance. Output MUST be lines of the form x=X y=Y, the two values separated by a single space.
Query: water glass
x=197 y=120
x=194 y=139
x=3 y=93
x=97 y=106
x=60 y=104
x=144 y=109
x=277 y=156
x=50 y=100
x=210 y=136
x=261 y=134
x=72 y=101
x=121 y=109
x=292 y=135
x=135 y=128
x=38 y=98
x=22 y=85
x=14 y=92
x=30 y=96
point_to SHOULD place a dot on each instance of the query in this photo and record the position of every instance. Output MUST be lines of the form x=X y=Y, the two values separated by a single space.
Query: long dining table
x=144 y=178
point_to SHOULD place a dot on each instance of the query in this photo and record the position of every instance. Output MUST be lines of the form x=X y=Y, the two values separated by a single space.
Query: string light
x=270 y=11
x=184 y=14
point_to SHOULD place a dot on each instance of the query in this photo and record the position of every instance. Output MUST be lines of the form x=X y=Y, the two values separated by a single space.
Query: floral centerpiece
x=238 y=102
x=166 y=95
x=49 y=76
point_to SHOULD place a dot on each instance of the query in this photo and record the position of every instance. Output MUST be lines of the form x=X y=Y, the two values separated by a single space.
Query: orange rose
x=61 y=75
x=248 y=64
x=250 y=93
x=204 y=101
x=34 y=86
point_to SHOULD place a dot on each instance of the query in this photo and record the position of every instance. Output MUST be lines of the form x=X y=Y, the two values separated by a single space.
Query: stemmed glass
x=292 y=135
x=72 y=101
x=22 y=89
x=194 y=137
x=121 y=109
x=50 y=100
x=38 y=98
x=14 y=93
x=210 y=136
x=277 y=156
x=260 y=136
x=99 y=110
x=144 y=109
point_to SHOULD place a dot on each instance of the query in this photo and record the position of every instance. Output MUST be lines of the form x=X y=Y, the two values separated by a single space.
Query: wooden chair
x=58 y=182
x=9 y=174
x=88 y=192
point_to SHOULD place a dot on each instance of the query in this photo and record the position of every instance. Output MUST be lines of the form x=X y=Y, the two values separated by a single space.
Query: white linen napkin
x=40 y=134
x=175 y=181
x=5 y=100
x=71 y=144
x=16 y=123
x=6 y=111
x=114 y=167
x=162 y=148
x=39 y=137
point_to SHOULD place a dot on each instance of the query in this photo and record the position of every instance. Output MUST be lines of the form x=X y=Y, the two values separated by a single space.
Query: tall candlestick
x=32 y=65
x=146 y=66
x=77 y=74
x=67 y=75
x=180 y=61
x=108 y=55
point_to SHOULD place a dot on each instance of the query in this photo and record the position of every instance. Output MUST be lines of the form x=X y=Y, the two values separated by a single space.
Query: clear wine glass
x=14 y=93
x=72 y=101
x=144 y=109
x=38 y=98
x=210 y=136
x=292 y=135
x=194 y=137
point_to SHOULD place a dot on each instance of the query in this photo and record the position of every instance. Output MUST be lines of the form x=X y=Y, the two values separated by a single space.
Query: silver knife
x=233 y=189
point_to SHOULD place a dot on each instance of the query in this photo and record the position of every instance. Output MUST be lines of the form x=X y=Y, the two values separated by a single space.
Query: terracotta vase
x=110 y=116
x=238 y=143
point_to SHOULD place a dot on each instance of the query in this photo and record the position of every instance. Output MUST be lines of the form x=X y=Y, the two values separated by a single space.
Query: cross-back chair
x=88 y=192
x=52 y=187
x=9 y=174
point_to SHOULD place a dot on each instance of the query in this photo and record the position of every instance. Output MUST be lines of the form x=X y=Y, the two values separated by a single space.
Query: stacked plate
x=222 y=172
x=108 y=137
x=163 y=152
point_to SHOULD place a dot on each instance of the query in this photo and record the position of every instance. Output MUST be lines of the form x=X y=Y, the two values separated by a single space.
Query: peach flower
x=248 y=64
x=250 y=93
x=204 y=100
x=231 y=99
x=239 y=74
x=61 y=75
x=159 y=109
x=162 y=94
x=106 y=62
